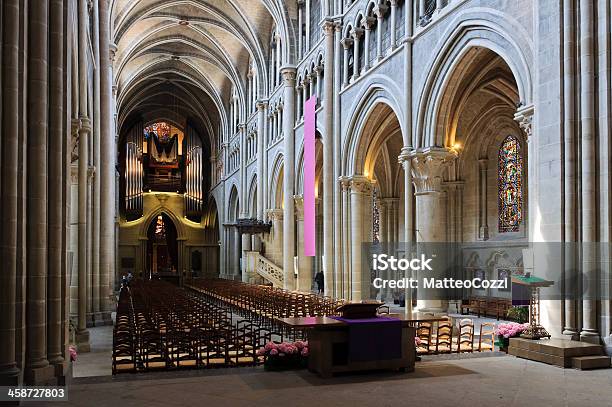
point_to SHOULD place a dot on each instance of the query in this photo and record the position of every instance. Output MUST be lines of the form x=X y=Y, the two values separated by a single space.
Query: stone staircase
x=560 y=352
x=267 y=270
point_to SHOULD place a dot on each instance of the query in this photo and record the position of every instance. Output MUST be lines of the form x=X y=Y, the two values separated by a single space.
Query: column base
x=99 y=319
x=63 y=372
x=432 y=306
x=9 y=377
x=572 y=333
x=590 y=336
x=40 y=376
x=82 y=341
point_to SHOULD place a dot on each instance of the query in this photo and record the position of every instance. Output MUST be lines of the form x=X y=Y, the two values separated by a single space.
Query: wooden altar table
x=328 y=343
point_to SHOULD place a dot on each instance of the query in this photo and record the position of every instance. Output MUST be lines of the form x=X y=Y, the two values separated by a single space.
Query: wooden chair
x=444 y=337
x=465 y=336
x=424 y=334
x=486 y=341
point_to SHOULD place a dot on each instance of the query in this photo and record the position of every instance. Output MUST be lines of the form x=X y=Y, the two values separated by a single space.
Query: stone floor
x=98 y=361
x=451 y=380
x=474 y=381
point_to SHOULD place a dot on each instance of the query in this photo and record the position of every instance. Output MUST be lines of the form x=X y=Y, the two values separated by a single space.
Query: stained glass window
x=375 y=217
x=510 y=185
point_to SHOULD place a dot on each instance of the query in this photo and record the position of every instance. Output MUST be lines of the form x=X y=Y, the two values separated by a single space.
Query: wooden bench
x=486 y=306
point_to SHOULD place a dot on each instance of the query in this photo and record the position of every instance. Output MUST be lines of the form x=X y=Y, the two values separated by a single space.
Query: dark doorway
x=162 y=250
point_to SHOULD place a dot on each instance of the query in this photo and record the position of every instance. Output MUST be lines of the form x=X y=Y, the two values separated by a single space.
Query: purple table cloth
x=372 y=339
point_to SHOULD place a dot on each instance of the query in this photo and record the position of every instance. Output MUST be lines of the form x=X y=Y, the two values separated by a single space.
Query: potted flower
x=506 y=331
x=73 y=353
x=284 y=355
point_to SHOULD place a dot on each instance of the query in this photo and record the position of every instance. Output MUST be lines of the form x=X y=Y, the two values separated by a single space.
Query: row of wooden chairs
x=487 y=306
x=264 y=305
x=444 y=338
x=159 y=326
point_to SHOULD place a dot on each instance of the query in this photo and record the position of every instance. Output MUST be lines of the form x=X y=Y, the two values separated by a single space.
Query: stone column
x=345 y=184
x=483 y=229
x=305 y=88
x=421 y=9
x=300 y=4
x=246 y=247
x=261 y=178
x=82 y=336
x=37 y=369
x=311 y=81
x=308 y=28
x=428 y=166
x=589 y=172
x=95 y=203
x=367 y=25
x=289 y=175
x=361 y=232
x=356 y=33
x=380 y=11
x=570 y=326
x=304 y=280
x=276 y=254
x=236 y=256
x=328 y=161
x=335 y=135
x=9 y=372
x=56 y=186
x=383 y=216
x=108 y=159
x=347 y=43
x=406 y=163
x=394 y=22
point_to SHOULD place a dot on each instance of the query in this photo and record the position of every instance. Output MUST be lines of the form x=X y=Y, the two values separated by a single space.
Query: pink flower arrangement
x=299 y=348
x=73 y=353
x=417 y=341
x=511 y=329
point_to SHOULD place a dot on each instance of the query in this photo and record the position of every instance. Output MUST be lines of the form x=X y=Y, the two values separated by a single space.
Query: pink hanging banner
x=309 y=175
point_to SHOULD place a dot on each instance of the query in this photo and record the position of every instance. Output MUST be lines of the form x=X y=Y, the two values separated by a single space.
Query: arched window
x=510 y=185
x=375 y=217
x=400 y=20
x=386 y=28
x=373 y=39
x=315 y=20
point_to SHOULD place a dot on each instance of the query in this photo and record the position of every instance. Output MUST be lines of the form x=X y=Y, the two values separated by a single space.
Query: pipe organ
x=194 y=195
x=134 y=173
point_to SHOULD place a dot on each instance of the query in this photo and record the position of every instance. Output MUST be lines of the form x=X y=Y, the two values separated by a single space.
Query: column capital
x=405 y=155
x=368 y=22
x=275 y=214
x=482 y=163
x=524 y=117
x=361 y=184
x=84 y=125
x=357 y=32
x=380 y=10
x=428 y=166
x=345 y=182
x=91 y=173
x=112 y=47
x=328 y=26
x=289 y=73
x=299 y=206
x=347 y=43
x=262 y=104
